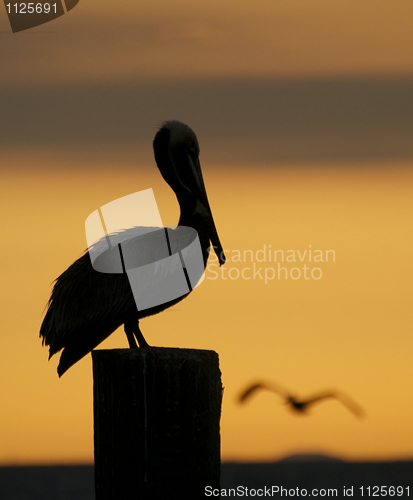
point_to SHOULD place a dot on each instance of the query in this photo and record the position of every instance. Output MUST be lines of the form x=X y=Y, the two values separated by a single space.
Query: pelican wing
x=93 y=297
x=84 y=302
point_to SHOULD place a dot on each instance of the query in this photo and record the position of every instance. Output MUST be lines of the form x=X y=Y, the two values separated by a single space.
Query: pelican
x=87 y=306
x=301 y=405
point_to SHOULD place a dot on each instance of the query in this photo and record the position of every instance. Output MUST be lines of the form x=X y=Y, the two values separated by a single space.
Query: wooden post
x=156 y=422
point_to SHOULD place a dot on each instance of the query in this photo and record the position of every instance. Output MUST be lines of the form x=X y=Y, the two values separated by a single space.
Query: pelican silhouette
x=302 y=405
x=86 y=306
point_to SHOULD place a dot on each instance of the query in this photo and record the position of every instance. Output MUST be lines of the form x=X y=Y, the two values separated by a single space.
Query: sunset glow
x=303 y=111
x=348 y=330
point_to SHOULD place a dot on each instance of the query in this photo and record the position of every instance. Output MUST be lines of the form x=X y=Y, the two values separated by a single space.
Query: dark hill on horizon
x=303 y=471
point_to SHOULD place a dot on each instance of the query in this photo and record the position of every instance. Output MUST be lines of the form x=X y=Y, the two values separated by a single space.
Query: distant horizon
x=291 y=459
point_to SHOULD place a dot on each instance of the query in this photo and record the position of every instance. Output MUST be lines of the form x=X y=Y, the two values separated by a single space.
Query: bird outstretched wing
x=301 y=405
x=251 y=389
x=339 y=396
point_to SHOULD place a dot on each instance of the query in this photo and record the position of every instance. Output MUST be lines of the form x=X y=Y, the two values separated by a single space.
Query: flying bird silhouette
x=86 y=306
x=302 y=405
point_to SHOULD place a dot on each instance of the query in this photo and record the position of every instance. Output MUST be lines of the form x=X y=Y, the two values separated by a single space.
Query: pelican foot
x=141 y=339
x=130 y=337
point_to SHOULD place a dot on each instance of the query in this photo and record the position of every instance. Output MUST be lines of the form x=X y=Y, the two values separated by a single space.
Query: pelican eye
x=193 y=151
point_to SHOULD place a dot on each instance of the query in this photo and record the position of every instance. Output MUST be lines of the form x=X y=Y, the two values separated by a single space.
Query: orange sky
x=349 y=330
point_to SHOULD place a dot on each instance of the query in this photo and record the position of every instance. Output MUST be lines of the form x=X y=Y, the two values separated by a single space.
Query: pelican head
x=176 y=151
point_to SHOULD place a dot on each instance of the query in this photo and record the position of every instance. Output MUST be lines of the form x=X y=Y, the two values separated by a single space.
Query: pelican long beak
x=204 y=209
